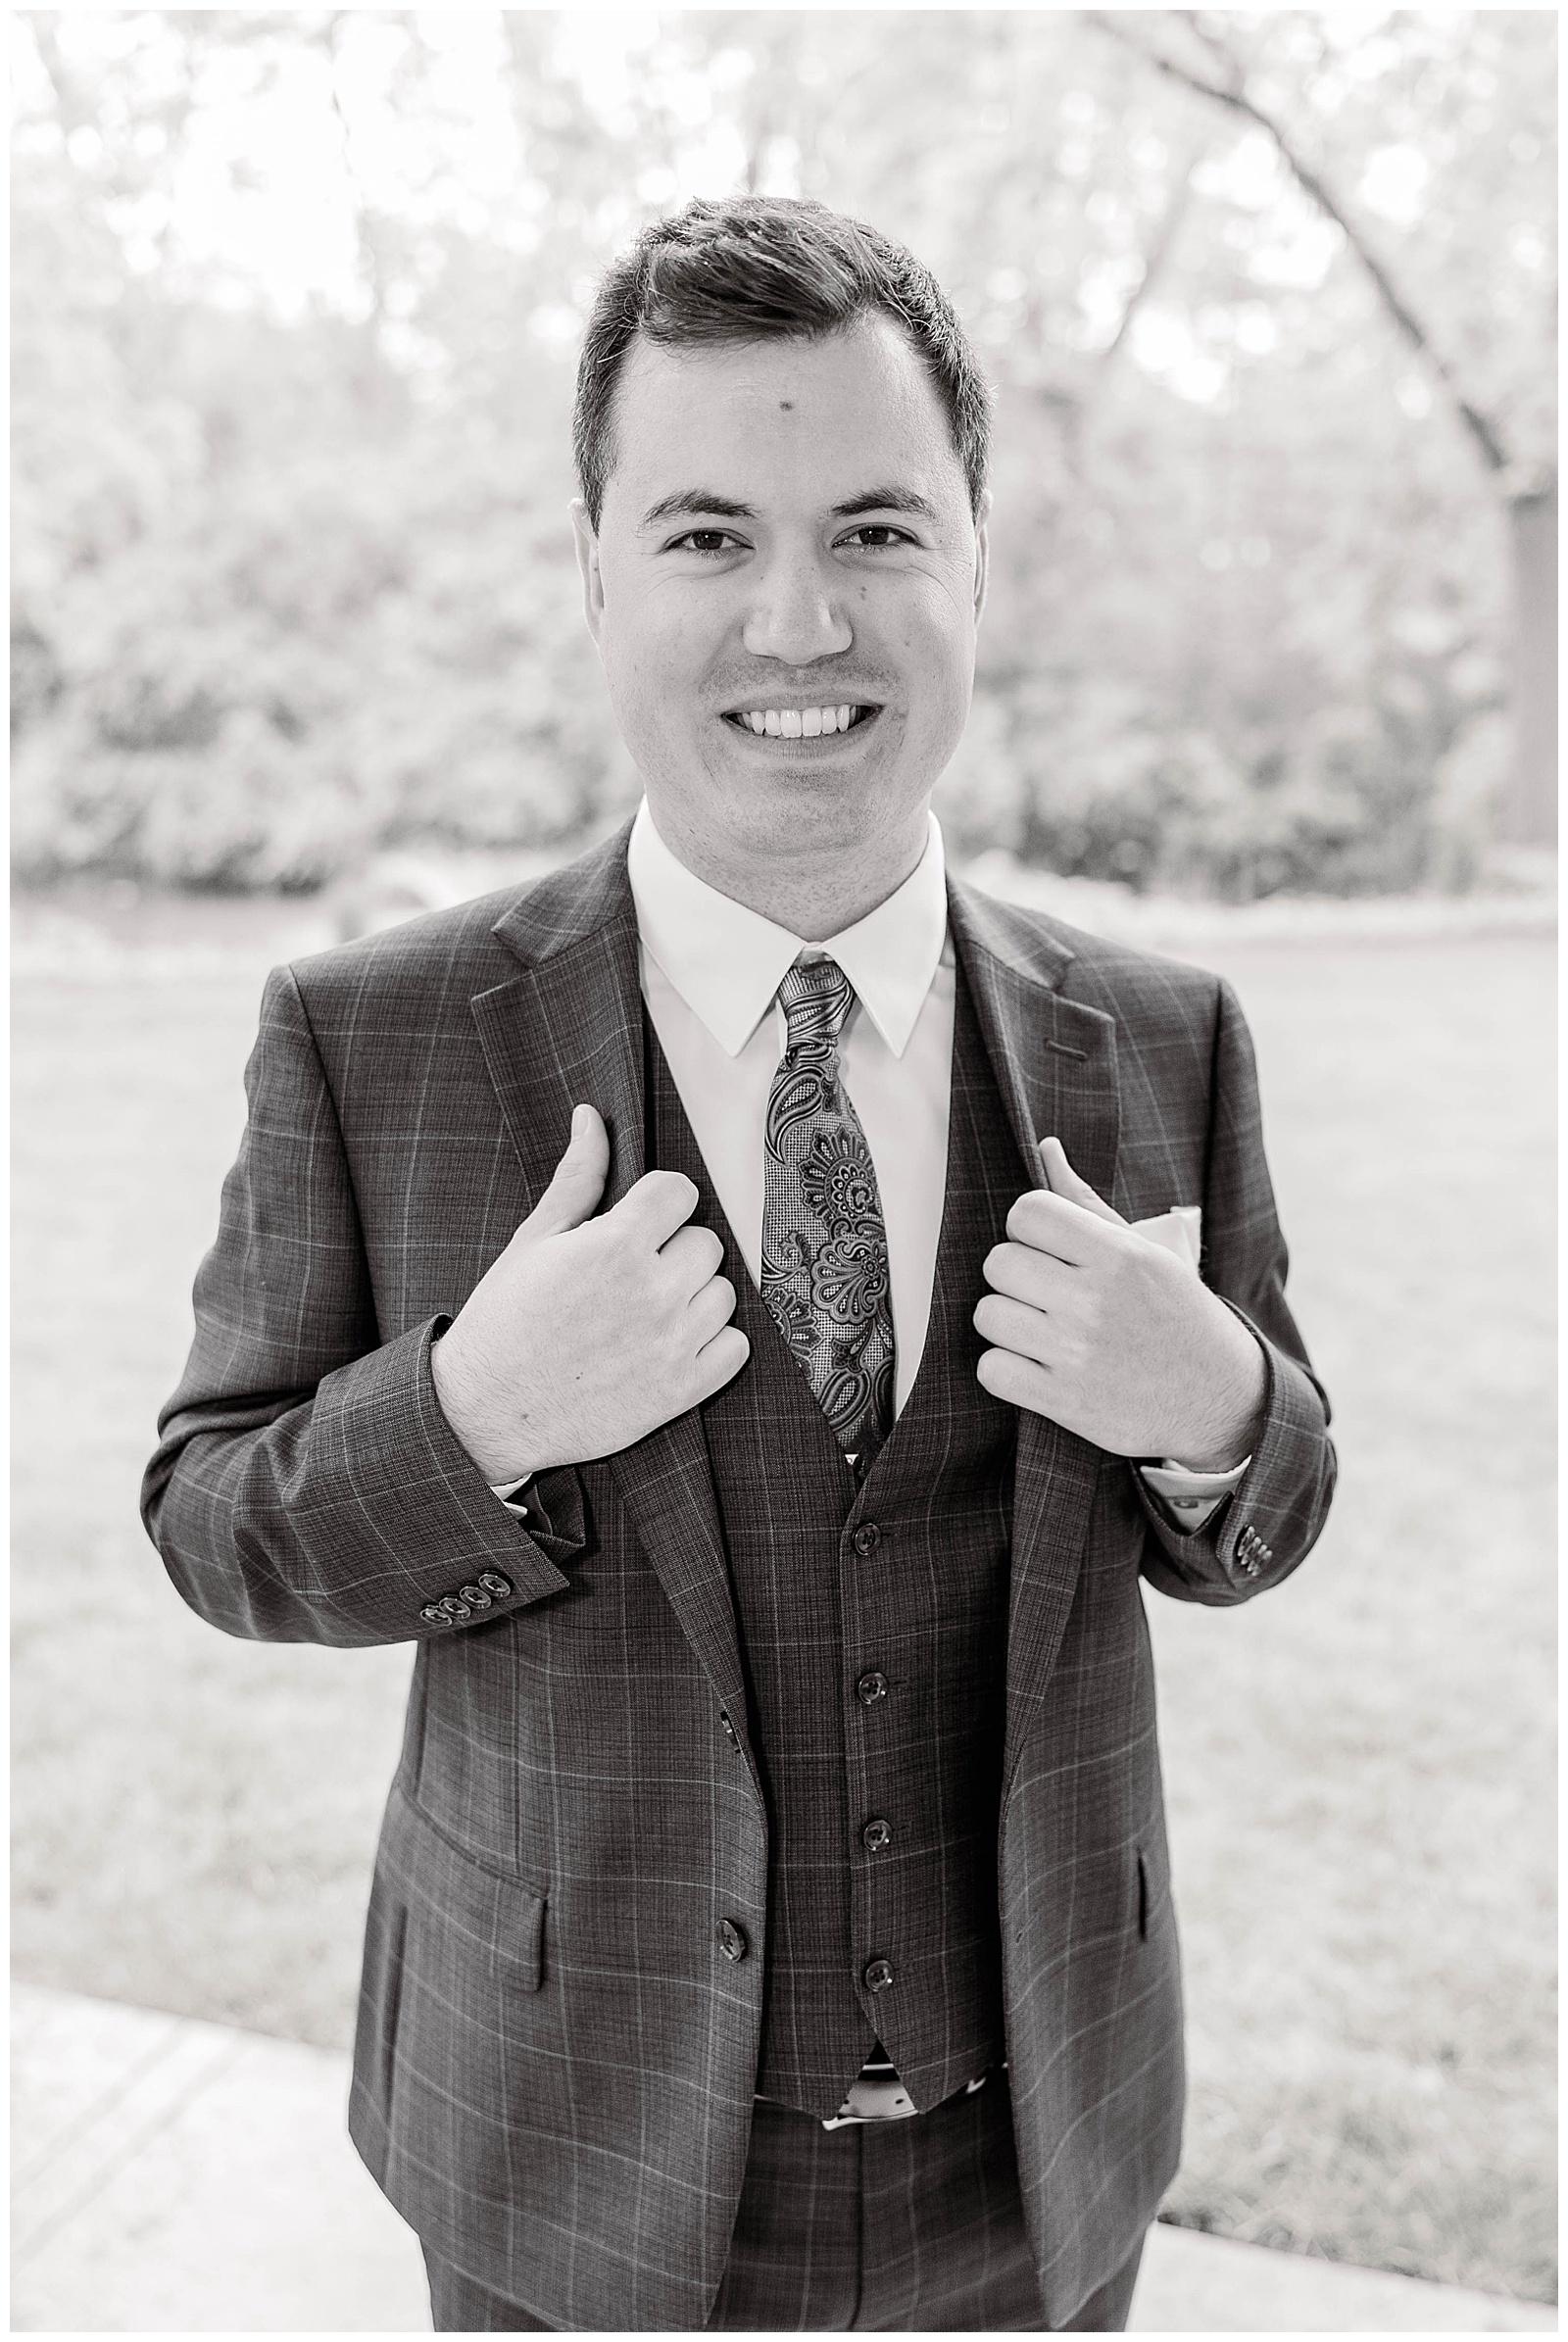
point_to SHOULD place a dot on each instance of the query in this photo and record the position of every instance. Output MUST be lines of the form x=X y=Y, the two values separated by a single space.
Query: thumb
x=573 y=1193
x=1062 y=1180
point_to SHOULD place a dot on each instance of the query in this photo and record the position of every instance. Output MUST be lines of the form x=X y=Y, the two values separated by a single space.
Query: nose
x=795 y=617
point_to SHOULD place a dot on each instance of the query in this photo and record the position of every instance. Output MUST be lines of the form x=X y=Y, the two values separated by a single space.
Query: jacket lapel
x=567 y=1030
x=1055 y=1062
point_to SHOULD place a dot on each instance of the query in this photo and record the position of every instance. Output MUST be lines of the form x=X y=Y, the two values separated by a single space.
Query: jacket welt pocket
x=494 y=1923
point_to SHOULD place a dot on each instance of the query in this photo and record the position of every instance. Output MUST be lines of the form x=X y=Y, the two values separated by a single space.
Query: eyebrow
x=694 y=503
x=893 y=498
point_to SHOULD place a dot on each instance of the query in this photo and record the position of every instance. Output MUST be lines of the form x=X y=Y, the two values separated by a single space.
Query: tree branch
x=1155 y=258
x=331 y=42
x=1232 y=93
x=72 y=108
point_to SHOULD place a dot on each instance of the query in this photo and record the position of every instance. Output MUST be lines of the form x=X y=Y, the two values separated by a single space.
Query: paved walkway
x=175 y=2177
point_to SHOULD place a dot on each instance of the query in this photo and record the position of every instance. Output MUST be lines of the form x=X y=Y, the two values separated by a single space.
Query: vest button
x=872 y=1687
x=732 y=1940
x=730 y=1733
x=877 y=1975
x=877 y=1834
x=866 y=1539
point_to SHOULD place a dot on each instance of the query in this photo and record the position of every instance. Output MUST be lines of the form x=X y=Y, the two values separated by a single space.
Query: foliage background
x=297 y=301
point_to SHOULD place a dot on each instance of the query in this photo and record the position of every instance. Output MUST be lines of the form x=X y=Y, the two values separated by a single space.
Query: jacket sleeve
x=307 y=1487
x=1271 y=1520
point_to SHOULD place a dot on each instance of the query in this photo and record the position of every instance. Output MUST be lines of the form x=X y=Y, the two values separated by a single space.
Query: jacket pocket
x=469 y=2048
x=489 y=1925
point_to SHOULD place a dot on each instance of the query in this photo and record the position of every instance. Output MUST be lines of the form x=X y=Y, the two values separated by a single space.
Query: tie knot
x=816 y=997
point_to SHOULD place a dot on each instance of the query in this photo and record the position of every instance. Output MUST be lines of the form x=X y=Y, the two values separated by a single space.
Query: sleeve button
x=494 y=1583
x=434 y=1615
x=475 y=1597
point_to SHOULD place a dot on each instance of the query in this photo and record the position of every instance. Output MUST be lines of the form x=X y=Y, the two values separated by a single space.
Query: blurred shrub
x=1099 y=789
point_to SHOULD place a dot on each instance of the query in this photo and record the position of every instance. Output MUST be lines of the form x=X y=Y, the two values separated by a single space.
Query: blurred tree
x=297 y=302
x=1484 y=323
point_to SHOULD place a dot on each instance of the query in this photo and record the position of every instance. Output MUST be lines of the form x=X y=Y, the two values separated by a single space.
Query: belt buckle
x=873 y=2098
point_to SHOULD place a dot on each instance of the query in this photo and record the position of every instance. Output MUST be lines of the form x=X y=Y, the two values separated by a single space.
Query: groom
x=752 y=1310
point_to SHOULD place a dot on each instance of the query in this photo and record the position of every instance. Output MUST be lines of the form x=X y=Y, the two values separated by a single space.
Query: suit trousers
x=879 y=2227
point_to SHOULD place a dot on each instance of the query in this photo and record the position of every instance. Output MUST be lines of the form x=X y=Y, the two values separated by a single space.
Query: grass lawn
x=1359 y=1766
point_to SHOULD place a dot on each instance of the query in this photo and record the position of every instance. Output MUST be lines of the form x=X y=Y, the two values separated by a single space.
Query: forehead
x=809 y=420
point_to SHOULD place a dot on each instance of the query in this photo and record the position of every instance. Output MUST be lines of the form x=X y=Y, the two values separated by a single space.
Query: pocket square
x=1179 y=1230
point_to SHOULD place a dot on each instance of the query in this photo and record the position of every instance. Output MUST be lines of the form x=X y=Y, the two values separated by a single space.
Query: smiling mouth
x=801 y=724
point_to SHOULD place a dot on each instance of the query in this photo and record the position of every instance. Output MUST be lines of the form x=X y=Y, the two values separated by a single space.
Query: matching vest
x=873 y=1628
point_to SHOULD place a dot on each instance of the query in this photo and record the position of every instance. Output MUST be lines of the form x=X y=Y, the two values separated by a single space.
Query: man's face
x=784 y=589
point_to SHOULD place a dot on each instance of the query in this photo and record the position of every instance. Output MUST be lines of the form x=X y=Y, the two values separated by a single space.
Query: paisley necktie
x=824 y=1247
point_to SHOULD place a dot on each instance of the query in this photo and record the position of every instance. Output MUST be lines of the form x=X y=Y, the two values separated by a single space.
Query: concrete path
x=175 y=2177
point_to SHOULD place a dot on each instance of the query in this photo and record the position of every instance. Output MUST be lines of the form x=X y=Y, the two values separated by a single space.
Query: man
x=697 y=1299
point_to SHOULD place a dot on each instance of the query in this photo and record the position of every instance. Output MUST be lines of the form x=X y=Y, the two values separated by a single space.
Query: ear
x=982 y=551
x=592 y=579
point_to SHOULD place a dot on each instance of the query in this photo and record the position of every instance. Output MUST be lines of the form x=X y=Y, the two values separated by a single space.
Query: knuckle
x=666 y=1191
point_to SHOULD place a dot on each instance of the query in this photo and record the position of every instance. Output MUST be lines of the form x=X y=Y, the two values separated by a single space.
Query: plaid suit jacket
x=554 y=2065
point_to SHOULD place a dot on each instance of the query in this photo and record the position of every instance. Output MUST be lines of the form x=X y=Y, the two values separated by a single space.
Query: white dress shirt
x=710 y=970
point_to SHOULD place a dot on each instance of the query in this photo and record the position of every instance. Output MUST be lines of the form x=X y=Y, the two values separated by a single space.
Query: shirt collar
x=727 y=962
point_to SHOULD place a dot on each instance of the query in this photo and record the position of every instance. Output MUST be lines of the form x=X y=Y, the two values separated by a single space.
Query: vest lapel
x=1054 y=1061
x=564 y=1032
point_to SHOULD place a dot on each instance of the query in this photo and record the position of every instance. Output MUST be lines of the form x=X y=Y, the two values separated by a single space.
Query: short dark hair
x=756 y=267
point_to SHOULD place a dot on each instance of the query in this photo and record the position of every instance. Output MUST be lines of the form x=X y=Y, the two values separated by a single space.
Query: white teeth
x=799 y=723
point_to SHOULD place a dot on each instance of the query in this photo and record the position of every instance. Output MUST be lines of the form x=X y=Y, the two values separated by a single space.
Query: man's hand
x=1110 y=1335
x=586 y=1334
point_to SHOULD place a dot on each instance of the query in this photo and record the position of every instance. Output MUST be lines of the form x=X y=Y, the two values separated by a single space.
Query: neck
x=813 y=894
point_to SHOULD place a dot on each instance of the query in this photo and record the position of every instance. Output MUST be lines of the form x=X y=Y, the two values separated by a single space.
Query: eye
x=703 y=540
x=877 y=536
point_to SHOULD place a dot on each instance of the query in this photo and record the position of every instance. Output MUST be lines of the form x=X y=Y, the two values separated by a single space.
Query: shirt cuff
x=514 y=1493
x=1191 y=1498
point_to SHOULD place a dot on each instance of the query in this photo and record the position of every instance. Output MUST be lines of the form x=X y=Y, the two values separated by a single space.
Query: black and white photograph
x=783 y=947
